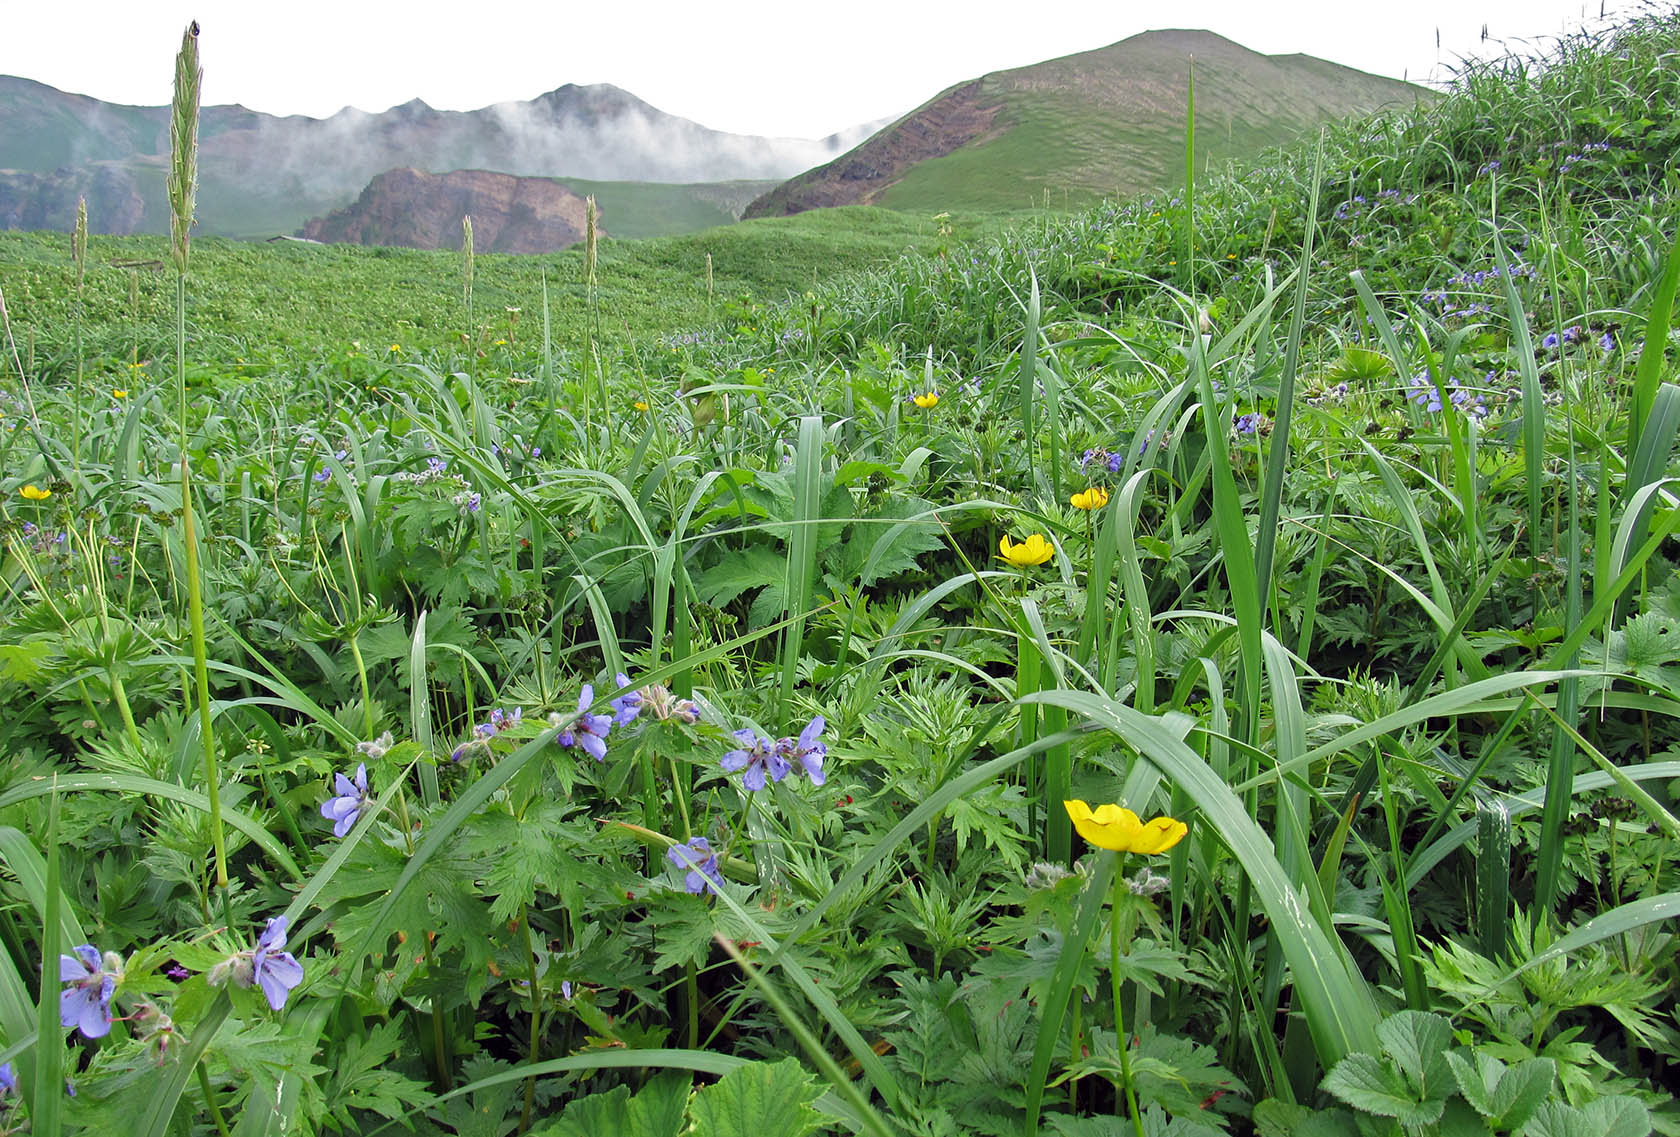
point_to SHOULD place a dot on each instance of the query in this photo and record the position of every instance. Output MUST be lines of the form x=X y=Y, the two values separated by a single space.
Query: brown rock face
x=956 y=118
x=423 y=211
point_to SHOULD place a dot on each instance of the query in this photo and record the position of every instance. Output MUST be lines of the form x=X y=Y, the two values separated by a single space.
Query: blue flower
x=586 y=731
x=806 y=750
x=1607 y=342
x=628 y=705
x=700 y=862
x=758 y=756
x=323 y=474
x=8 y=1079
x=350 y=799
x=1551 y=341
x=86 y=1002
x=272 y=969
x=1248 y=423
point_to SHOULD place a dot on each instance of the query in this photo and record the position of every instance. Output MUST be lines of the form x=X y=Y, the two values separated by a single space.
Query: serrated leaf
x=761 y=1100
x=656 y=1111
x=1617 y=1117
x=753 y=567
x=1368 y=1083
x=1522 y=1090
x=1476 y=1080
x=1418 y=1042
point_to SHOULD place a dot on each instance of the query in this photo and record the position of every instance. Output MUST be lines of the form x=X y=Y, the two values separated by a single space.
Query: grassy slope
x=251 y=298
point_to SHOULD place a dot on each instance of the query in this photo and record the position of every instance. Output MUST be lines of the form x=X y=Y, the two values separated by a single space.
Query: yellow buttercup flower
x=33 y=492
x=928 y=401
x=1035 y=550
x=1115 y=827
x=639 y=405
x=1094 y=498
x=396 y=347
x=119 y=393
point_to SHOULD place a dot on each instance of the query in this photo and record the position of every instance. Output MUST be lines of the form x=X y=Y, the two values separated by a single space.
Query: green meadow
x=1190 y=665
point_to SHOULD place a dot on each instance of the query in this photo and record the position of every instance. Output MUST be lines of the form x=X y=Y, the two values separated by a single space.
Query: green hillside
x=1195 y=667
x=1085 y=126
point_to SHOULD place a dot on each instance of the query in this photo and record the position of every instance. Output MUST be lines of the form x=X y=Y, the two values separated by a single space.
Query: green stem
x=536 y=1021
x=1114 y=975
x=195 y=596
x=210 y=1099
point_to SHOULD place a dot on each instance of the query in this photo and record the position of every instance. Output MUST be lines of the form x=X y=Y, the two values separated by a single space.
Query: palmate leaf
x=365 y=1083
x=1418 y=1043
x=753 y=567
x=1605 y=1117
x=762 y=1099
x=657 y=1110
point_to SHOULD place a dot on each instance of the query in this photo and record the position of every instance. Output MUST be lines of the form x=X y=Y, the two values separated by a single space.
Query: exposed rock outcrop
x=423 y=211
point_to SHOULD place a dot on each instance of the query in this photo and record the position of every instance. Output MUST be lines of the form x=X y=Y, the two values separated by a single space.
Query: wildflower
x=118 y=393
x=86 y=1002
x=1035 y=550
x=396 y=349
x=701 y=864
x=1424 y=393
x=928 y=401
x=350 y=799
x=640 y=405
x=1094 y=498
x=628 y=705
x=272 y=969
x=1115 y=827
x=806 y=750
x=1607 y=342
x=1551 y=341
x=758 y=756
x=8 y=1079
x=322 y=475
x=586 y=731
x=33 y=492
x=565 y=988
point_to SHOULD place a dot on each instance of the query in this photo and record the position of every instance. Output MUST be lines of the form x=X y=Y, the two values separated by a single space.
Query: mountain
x=1109 y=121
x=261 y=174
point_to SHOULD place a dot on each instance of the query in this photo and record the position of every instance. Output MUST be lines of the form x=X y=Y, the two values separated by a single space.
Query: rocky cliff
x=423 y=211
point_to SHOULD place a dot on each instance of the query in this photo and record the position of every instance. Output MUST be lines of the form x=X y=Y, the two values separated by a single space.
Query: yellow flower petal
x=1117 y=828
x=928 y=401
x=1094 y=498
x=1160 y=834
x=1035 y=550
x=33 y=492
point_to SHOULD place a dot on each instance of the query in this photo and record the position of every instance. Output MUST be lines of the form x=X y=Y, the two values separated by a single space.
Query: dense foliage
x=671 y=733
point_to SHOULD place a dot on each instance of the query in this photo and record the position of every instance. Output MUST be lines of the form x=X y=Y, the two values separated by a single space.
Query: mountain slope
x=1100 y=122
x=260 y=174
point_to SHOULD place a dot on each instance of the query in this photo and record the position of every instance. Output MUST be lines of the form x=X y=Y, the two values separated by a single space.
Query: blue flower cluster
x=699 y=863
x=763 y=759
x=498 y=721
x=1424 y=393
x=1359 y=203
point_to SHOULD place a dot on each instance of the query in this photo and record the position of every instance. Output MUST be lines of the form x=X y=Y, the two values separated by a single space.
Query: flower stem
x=1114 y=975
x=210 y=1099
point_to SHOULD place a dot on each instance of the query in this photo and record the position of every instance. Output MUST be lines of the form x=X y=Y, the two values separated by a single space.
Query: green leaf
x=1368 y=1083
x=657 y=1111
x=1477 y=1080
x=1418 y=1041
x=1522 y=1090
x=1606 y=1117
x=759 y=1100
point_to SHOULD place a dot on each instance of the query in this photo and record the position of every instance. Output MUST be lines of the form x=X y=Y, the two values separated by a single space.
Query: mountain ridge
x=1105 y=121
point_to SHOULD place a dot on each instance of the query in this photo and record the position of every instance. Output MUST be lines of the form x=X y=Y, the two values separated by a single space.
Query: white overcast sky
x=779 y=67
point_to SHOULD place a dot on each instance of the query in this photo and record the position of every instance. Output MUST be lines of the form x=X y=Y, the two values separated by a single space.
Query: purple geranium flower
x=86 y=1003
x=807 y=750
x=628 y=705
x=8 y=1079
x=758 y=756
x=272 y=969
x=700 y=862
x=586 y=731
x=350 y=799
